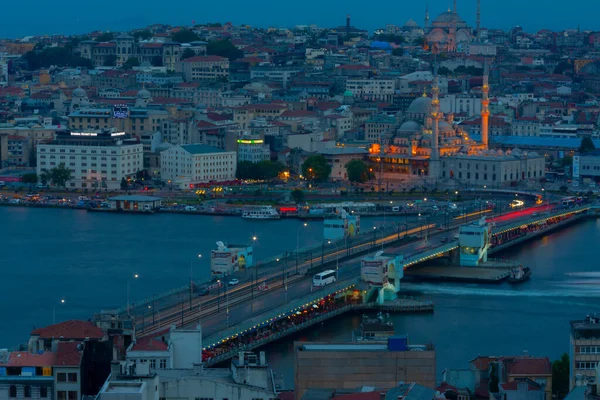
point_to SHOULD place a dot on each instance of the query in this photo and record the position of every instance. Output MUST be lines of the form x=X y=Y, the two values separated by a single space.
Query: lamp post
x=304 y=225
x=218 y=295
x=192 y=278
x=337 y=259
x=135 y=276
x=155 y=311
x=62 y=301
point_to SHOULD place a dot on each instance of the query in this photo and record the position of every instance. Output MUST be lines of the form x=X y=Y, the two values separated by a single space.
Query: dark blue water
x=87 y=258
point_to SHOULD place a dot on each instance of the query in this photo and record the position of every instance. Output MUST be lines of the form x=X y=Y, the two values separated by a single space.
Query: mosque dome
x=143 y=94
x=411 y=24
x=410 y=126
x=443 y=126
x=422 y=105
x=448 y=17
x=79 y=92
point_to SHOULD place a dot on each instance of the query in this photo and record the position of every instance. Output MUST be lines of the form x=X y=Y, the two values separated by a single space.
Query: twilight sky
x=36 y=17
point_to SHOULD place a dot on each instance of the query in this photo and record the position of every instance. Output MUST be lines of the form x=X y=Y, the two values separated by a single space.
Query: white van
x=190 y=208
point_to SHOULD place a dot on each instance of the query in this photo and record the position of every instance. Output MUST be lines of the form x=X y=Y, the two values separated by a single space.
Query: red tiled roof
x=27 y=359
x=106 y=44
x=41 y=95
x=69 y=330
x=168 y=100
x=528 y=366
x=354 y=67
x=68 y=354
x=217 y=117
x=204 y=59
x=152 y=45
x=15 y=137
x=150 y=344
x=286 y=396
x=327 y=105
x=445 y=386
x=515 y=384
x=482 y=363
x=205 y=124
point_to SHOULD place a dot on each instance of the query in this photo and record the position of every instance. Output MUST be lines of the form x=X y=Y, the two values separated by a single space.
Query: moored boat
x=260 y=212
x=519 y=274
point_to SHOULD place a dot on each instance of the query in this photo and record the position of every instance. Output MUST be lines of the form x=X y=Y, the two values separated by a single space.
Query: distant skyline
x=38 y=17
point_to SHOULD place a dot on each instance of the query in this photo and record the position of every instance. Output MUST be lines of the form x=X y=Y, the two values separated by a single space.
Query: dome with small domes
x=422 y=105
x=411 y=24
x=410 y=126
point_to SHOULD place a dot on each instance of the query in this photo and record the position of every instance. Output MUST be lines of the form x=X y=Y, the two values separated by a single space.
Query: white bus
x=324 y=278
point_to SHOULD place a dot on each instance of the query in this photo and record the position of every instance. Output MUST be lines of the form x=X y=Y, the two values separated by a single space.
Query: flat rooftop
x=345 y=347
x=124 y=387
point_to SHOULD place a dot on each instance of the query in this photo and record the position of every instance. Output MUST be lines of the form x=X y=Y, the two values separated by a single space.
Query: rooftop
x=201 y=149
x=69 y=354
x=72 y=329
x=26 y=359
x=150 y=344
x=137 y=198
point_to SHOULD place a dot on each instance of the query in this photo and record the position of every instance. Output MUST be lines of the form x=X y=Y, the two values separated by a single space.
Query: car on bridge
x=233 y=282
x=203 y=292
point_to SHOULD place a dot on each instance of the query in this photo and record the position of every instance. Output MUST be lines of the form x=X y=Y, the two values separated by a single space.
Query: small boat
x=260 y=212
x=519 y=274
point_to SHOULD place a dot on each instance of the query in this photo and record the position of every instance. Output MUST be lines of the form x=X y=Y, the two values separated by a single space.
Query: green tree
x=245 y=170
x=131 y=62
x=60 y=175
x=188 y=53
x=185 y=36
x=560 y=376
x=45 y=177
x=397 y=39
x=297 y=195
x=587 y=145
x=566 y=161
x=58 y=56
x=224 y=48
x=420 y=41
x=358 y=171
x=142 y=35
x=157 y=61
x=269 y=169
x=105 y=37
x=29 y=178
x=398 y=52
x=110 y=60
x=316 y=168
x=124 y=184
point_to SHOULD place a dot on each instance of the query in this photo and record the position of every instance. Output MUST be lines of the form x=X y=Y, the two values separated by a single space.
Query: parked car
x=203 y=292
x=444 y=240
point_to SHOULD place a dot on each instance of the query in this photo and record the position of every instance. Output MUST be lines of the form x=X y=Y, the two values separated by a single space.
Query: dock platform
x=459 y=274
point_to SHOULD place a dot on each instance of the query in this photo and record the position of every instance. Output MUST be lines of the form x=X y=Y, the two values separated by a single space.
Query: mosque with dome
x=428 y=147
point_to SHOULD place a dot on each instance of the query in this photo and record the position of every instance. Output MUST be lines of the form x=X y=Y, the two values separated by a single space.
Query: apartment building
x=584 y=352
x=197 y=163
x=204 y=68
x=252 y=149
x=97 y=160
x=371 y=89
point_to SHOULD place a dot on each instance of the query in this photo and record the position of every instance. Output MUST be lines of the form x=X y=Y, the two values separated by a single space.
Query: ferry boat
x=519 y=274
x=260 y=212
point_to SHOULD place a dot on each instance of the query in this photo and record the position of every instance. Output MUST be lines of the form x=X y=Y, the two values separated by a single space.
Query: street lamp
x=337 y=259
x=135 y=276
x=304 y=225
x=62 y=301
x=192 y=278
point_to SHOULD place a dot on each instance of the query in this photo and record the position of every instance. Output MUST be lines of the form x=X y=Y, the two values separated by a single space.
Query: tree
x=358 y=171
x=224 y=48
x=157 y=61
x=60 y=175
x=58 y=56
x=110 y=60
x=268 y=169
x=105 y=37
x=188 y=53
x=566 y=161
x=124 y=184
x=560 y=376
x=297 y=195
x=29 y=178
x=185 y=36
x=245 y=170
x=142 y=35
x=398 y=52
x=397 y=39
x=45 y=177
x=131 y=62
x=316 y=168
x=587 y=145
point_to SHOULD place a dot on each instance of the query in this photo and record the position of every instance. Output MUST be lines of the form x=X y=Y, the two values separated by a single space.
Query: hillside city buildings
x=448 y=103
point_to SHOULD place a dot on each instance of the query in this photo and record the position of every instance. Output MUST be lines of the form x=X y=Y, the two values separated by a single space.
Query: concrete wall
x=194 y=387
x=187 y=347
x=351 y=369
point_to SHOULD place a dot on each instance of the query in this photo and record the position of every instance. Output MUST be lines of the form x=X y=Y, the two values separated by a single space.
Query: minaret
x=347 y=24
x=426 y=16
x=454 y=6
x=485 y=111
x=434 y=161
x=478 y=21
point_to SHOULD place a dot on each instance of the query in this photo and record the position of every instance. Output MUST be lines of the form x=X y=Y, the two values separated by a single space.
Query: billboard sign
x=575 y=166
x=372 y=272
x=120 y=111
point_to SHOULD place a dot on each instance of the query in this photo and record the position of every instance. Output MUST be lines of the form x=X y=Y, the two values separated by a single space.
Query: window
x=72 y=377
x=27 y=391
x=163 y=365
x=72 y=395
x=153 y=364
x=12 y=391
x=62 y=395
x=43 y=392
x=61 y=377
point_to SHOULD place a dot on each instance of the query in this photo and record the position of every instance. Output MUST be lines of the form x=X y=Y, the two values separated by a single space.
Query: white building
x=371 y=89
x=253 y=149
x=458 y=104
x=197 y=163
x=97 y=160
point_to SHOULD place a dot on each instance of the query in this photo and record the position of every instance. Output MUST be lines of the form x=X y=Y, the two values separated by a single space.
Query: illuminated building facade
x=252 y=149
x=97 y=159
